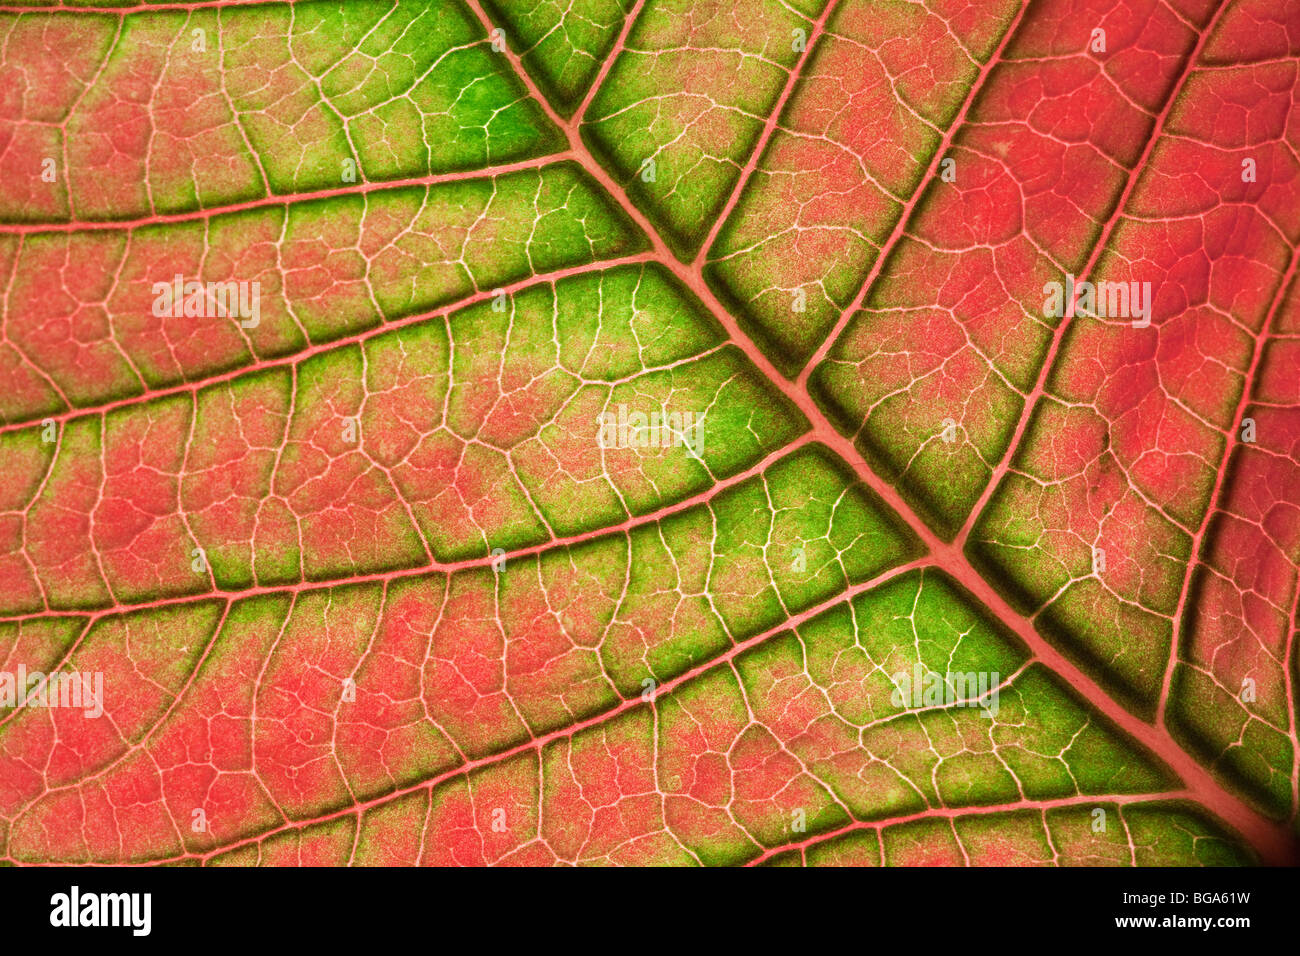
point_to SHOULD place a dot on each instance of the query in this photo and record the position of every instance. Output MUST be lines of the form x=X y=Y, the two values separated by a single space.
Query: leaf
x=639 y=433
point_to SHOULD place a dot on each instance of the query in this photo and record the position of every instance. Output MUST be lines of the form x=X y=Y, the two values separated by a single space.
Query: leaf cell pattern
x=472 y=432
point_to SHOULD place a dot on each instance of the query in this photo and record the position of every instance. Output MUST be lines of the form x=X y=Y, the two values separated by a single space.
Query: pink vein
x=1220 y=480
x=137 y=8
x=185 y=388
x=433 y=567
x=1040 y=386
x=773 y=121
x=599 y=79
x=956 y=813
x=904 y=218
x=262 y=202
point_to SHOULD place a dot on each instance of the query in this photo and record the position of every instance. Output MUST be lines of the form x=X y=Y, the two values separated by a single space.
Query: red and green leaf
x=366 y=583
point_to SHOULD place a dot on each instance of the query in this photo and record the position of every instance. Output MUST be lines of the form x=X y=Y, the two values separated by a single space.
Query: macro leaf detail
x=650 y=432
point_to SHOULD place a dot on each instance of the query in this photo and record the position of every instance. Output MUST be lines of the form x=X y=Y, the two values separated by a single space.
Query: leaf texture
x=633 y=432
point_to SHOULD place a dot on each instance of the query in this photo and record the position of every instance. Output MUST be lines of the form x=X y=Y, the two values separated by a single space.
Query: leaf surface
x=648 y=442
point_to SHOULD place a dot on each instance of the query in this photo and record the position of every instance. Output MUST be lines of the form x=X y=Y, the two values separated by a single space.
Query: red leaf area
x=349 y=572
